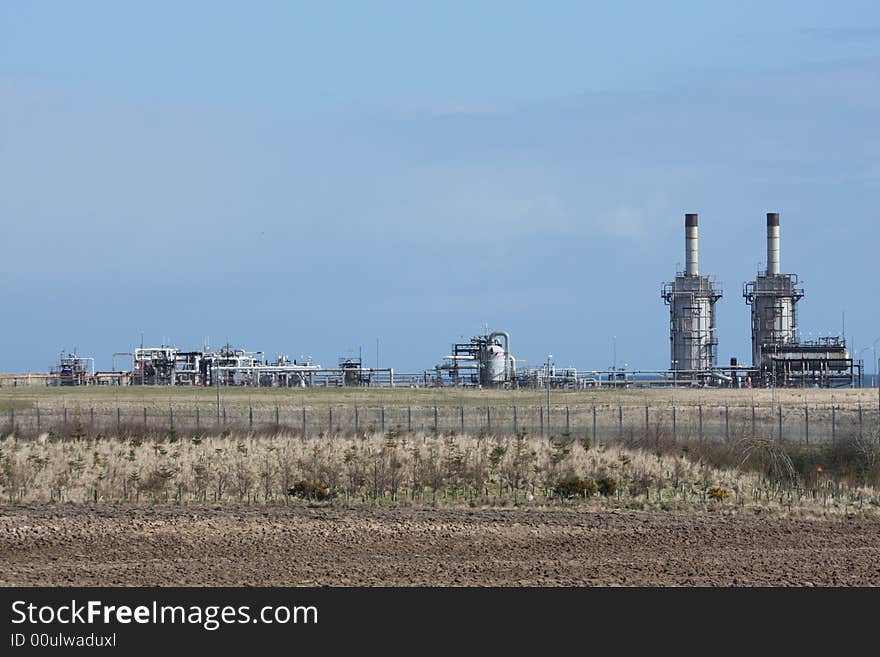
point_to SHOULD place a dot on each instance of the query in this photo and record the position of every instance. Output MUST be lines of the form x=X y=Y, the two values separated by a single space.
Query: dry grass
x=160 y=397
x=409 y=470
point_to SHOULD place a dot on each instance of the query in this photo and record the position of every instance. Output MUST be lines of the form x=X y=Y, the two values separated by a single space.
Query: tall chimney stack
x=691 y=245
x=772 y=243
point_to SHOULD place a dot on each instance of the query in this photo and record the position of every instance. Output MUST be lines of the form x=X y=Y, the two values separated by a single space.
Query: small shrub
x=574 y=487
x=606 y=486
x=310 y=490
x=718 y=494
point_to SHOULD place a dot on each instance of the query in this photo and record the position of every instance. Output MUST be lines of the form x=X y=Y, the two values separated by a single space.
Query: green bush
x=606 y=486
x=574 y=487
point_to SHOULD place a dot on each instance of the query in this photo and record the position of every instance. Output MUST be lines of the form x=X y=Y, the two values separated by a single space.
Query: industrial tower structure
x=779 y=357
x=772 y=296
x=691 y=298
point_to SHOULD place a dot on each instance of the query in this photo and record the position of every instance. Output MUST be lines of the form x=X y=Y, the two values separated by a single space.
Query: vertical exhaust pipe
x=772 y=243
x=691 y=245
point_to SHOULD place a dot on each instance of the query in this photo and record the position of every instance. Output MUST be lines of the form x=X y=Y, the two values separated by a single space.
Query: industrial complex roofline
x=779 y=357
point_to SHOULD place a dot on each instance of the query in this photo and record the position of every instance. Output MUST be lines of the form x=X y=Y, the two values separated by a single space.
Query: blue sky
x=307 y=178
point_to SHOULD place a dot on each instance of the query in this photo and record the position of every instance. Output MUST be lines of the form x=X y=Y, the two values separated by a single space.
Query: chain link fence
x=804 y=424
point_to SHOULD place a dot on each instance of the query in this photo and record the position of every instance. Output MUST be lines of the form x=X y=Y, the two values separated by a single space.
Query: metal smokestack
x=772 y=243
x=691 y=245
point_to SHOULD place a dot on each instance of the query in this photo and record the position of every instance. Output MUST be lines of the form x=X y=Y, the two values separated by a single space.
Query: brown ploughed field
x=79 y=545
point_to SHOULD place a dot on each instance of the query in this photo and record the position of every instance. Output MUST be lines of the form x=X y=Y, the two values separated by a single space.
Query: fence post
x=145 y=418
x=727 y=422
x=594 y=424
x=91 y=417
x=170 y=418
x=304 y=421
x=619 y=420
x=567 y=421
x=277 y=419
x=65 y=418
x=38 y=418
x=118 y=421
x=330 y=422
x=700 y=412
x=806 y=424
x=674 y=425
x=647 y=423
x=250 y=417
x=514 y=419
x=436 y=422
x=488 y=418
x=197 y=418
x=409 y=418
x=781 y=436
x=461 y=417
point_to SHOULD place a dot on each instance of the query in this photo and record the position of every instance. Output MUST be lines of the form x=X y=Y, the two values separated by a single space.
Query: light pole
x=549 y=356
x=217 y=366
x=674 y=380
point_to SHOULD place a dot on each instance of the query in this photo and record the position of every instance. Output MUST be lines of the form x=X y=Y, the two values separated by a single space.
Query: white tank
x=493 y=367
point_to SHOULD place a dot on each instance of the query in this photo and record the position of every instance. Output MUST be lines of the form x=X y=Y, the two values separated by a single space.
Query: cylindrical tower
x=772 y=296
x=691 y=245
x=691 y=298
x=773 y=244
x=493 y=370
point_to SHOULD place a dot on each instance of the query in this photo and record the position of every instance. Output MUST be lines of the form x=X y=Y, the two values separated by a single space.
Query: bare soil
x=121 y=546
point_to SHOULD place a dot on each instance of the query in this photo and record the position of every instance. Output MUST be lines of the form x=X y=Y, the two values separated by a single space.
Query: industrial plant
x=481 y=361
x=691 y=298
x=779 y=356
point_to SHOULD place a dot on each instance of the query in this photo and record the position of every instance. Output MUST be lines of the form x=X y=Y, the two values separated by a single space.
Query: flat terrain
x=28 y=397
x=78 y=545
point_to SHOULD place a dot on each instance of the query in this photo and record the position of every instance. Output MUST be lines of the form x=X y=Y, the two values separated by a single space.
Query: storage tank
x=493 y=370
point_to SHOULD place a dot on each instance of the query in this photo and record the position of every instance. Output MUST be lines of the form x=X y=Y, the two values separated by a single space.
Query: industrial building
x=168 y=365
x=779 y=357
x=482 y=361
x=231 y=366
x=691 y=298
x=72 y=370
x=772 y=297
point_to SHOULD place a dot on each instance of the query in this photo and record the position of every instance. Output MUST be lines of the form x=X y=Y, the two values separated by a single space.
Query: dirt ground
x=78 y=545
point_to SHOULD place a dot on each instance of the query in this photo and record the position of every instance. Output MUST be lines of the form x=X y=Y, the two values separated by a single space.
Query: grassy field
x=25 y=397
x=90 y=502
x=115 y=443
x=467 y=470
x=685 y=415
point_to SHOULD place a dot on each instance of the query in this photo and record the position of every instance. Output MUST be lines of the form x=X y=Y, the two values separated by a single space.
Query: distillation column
x=691 y=298
x=772 y=296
